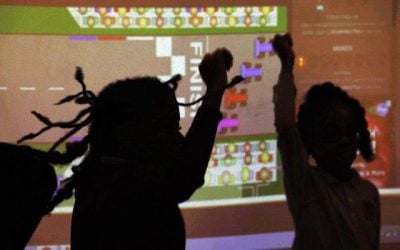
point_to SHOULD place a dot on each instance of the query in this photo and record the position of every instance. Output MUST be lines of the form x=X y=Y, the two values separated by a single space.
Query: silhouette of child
x=138 y=167
x=27 y=186
x=331 y=205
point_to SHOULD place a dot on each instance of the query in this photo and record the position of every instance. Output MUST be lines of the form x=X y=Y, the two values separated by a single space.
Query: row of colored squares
x=248 y=159
x=122 y=11
x=246 y=147
x=159 y=22
x=246 y=175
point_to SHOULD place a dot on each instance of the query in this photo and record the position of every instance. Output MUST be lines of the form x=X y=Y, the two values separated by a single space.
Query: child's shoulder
x=363 y=188
x=366 y=187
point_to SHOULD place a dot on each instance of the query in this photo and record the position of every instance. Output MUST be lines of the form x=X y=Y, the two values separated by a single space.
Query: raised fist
x=213 y=69
x=283 y=46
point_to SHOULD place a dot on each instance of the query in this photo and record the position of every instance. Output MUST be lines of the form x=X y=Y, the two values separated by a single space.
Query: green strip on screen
x=223 y=191
x=59 y=21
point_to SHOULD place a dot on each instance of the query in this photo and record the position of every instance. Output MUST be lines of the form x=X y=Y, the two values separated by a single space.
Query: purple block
x=83 y=38
x=198 y=9
x=108 y=10
x=250 y=72
x=382 y=109
x=75 y=138
x=227 y=123
x=260 y=47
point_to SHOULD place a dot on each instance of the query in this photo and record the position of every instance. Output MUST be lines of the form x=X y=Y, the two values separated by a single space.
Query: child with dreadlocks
x=138 y=166
x=331 y=205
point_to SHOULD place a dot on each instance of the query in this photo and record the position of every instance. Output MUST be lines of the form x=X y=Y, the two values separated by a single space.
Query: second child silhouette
x=331 y=205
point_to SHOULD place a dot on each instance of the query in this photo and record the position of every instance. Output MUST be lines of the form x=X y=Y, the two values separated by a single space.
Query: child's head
x=128 y=113
x=333 y=127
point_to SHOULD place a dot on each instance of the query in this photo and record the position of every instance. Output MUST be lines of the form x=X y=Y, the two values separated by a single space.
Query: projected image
x=241 y=205
x=115 y=43
x=351 y=55
x=130 y=42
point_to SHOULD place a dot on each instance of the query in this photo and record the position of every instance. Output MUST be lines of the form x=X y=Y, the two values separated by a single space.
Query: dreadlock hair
x=81 y=120
x=73 y=149
x=317 y=100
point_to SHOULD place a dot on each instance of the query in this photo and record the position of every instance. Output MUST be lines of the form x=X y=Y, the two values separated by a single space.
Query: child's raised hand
x=213 y=69
x=283 y=46
x=285 y=89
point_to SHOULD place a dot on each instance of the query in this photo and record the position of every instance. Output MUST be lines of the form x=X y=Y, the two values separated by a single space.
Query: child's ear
x=311 y=160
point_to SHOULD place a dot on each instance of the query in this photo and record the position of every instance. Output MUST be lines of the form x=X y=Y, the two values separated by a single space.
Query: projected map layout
x=115 y=43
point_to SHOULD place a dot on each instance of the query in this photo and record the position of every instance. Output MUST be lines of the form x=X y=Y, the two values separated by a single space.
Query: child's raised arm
x=292 y=150
x=285 y=89
x=199 y=140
